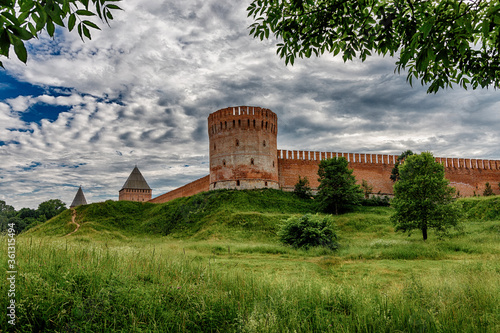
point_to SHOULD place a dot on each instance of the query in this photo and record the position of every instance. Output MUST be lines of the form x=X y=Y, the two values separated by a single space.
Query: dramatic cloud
x=140 y=93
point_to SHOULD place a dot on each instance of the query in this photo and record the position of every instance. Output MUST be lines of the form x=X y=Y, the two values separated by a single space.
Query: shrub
x=488 y=190
x=302 y=188
x=309 y=231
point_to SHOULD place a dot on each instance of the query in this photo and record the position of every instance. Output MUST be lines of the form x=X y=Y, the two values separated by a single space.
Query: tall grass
x=221 y=269
x=77 y=286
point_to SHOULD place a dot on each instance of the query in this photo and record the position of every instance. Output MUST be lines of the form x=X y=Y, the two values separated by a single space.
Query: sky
x=139 y=93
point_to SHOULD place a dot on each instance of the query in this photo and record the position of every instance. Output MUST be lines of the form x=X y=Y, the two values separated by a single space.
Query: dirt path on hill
x=73 y=218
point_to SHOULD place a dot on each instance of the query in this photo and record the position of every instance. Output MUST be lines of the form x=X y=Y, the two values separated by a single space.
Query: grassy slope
x=221 y=269
x=234 y=215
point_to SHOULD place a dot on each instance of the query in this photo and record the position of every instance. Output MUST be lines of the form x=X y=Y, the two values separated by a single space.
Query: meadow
x=212 y=263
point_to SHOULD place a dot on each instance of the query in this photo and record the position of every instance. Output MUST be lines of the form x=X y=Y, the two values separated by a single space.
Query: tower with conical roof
x=79 y=199
x=135 y=188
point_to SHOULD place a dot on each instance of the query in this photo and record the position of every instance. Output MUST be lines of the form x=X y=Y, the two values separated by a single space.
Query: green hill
x=225 y=214
x=228 y=214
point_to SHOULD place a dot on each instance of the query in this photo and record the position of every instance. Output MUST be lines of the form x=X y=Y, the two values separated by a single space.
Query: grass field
x=212 y=263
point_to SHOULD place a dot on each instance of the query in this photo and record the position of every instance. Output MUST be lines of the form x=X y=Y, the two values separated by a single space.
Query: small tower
x=79 y=199
x=135 y=188
x=243 y=148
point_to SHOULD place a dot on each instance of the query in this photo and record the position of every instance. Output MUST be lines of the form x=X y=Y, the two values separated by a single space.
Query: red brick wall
x=199 y=185
x=243 y=148
x=467 y=176
x=134 y=194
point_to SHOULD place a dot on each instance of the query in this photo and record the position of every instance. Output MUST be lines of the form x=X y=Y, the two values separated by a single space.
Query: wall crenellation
x=242 y=117
x=457 y=163
x=351 y=157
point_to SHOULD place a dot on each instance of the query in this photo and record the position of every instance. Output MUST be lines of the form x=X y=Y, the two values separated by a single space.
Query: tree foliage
x=488 y=191
x=302 y=188
x=26 y=217
x=338 y=191
x=22 y=20
x=439 y=42
x=400 y=159
x=422 y=197
x=308 y=231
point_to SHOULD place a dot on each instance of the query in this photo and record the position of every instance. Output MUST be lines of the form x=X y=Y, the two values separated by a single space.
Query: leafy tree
x=367 y=188
x=22 y=20
x=488 y=190
x=6 y=210
x=338 y=191
x=441 y=43
x=422 y=197
x=50 y=208
x=395 y=171
x=308 y=231
x=302 y=188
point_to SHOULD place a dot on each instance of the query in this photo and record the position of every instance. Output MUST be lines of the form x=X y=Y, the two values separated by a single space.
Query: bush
x=302 y=188
x=309 y=231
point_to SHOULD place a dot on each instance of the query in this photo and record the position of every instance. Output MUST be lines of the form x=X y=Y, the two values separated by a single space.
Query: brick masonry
x=244 y=155
x=134 y=194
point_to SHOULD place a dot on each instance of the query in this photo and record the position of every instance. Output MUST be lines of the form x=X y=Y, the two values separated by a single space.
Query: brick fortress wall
x=199 y=185
x=468 y=176
x=243 y=155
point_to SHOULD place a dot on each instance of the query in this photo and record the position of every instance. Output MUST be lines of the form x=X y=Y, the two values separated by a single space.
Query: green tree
x=422 y=197
x=48 y=209
x=338 y=191
x=308 y=231
x=488 y=190
x=367 y=188
x=442 y=43
x=6 y=213
x=302 y=188
x=22 y=20
x=400 y=159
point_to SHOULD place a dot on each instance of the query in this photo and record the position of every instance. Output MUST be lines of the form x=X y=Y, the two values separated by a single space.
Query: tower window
x=215 y=146
x=252 y=161
x=273 y=164
x=264 y=143
x=237 y=183
x=237 y=143
x=265 y=184
x=224 y=162
x=239 y=122
x=234 y=123
x=248 y=122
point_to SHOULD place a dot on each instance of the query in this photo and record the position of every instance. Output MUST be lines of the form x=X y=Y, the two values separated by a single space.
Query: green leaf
x=11 y=18
x=4 y=43
x=111 y=6
x=50 y=27
x=84 y=12
x=22 y=33
x=91 y=24
x=26 y=6
x=71 y=22
x=19 y=49
x=86 y=32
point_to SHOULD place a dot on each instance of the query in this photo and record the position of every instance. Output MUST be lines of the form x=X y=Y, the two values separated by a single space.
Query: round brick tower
x=243 y=151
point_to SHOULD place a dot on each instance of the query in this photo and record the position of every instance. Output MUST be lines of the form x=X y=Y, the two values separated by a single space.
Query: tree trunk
x=424 y=232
